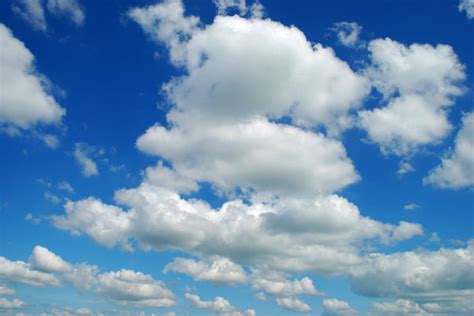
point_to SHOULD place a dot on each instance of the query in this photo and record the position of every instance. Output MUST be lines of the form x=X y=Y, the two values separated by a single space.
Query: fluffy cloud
x=419 y=82
x=82 y=155
x=276 y=284
x=457 y=169
x=7 y=304
x=347 y=33
x=335 y=307
x=317 y=235
x=468 y=7
x=217 y=270
x=223 y=6
x=307 y=163
x=24 y=98
x=168 y=178
x=67 y=8
x=130 y=287
x=32 y=12
x=439 y=277
x=44 y=260
x=21 y=272
x=404 y=307
x=293 y=304
x=126 y=287
x=219 y=305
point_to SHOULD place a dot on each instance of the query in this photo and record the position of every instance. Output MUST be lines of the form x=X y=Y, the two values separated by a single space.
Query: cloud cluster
x=45 y=268
x=347 y=33
x=468 y=7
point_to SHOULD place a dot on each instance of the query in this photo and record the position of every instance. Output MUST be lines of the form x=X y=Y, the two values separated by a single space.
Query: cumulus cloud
x=347 y=33
x=419 y=83
x=82 y=154
x=457 y=168
x=24 y=98
x=44 y=260
x=441 y=277
x=404 y=307
x=125 y=287
x=317 y=235
x=130 y=287
x=223 y=6
x=219 y=305
x=168 y=178
x=293 y=304
x=67 y=8
x=217 y=270
x=335 y=307
x=32 y=12
x=468 y=7
x=4 y=290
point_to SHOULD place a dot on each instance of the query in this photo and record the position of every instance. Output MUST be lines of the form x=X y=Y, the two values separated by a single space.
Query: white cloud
x=67 y=8
x=32 y=12
x=44 y=260
x=347 y=33
x=16 y=303
x=168 y=178
x=307 y=164
x=4 y=290
x=223 y=6
x=276 y=284
x=441 y=277
x=419 y=83
x=468 y=7
x=217 y=270
x=411 y=206
x=51 y=197
x=317 y=235
x=81 y=154
x=136 y=288
x=457 y=169
x=261 y=296
x=335 y=307
x=219 y=305
x=24 y=98
x=403 y=307
x=293 y=304
x=21 y=272
x=65 y=186
x=404 y=168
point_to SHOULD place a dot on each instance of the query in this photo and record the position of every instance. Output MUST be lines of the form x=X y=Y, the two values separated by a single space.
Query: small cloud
x=52 y=198
x=65 y=186
x=347 y=33
x=404 y=168
x=411 y=206
x=261 y=297
x=434 y=238
x=81 y=153
x=468 y=7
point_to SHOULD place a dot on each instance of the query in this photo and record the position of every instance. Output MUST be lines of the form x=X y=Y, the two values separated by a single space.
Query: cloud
x=468 y=7
x=441 y=277
x=317 y=235
x=276 y=284
x=125 y=287
x=4 y=290
x=404 y=307
x=405 y=167
x=417 y=95
x=168 y=178
x=67 y=8
x=44 y=260
x=26 y=101
x=65 y=186
x=81 y=154
x=456 y=170
x=130 y=287
x=32 y=12
x=411 y=206
x=293 y=304
x=335 y=307
x=347 y=33
x=51 y=197
x=223 y=6
x=216 y=270
x=21 y=272
x=219 y=305
x=16 y=303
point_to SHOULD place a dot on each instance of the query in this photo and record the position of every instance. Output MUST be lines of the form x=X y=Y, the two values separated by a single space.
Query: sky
x=233 y=157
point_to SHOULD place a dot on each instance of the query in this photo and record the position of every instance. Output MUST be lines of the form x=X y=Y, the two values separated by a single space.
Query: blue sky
x=233 y=157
